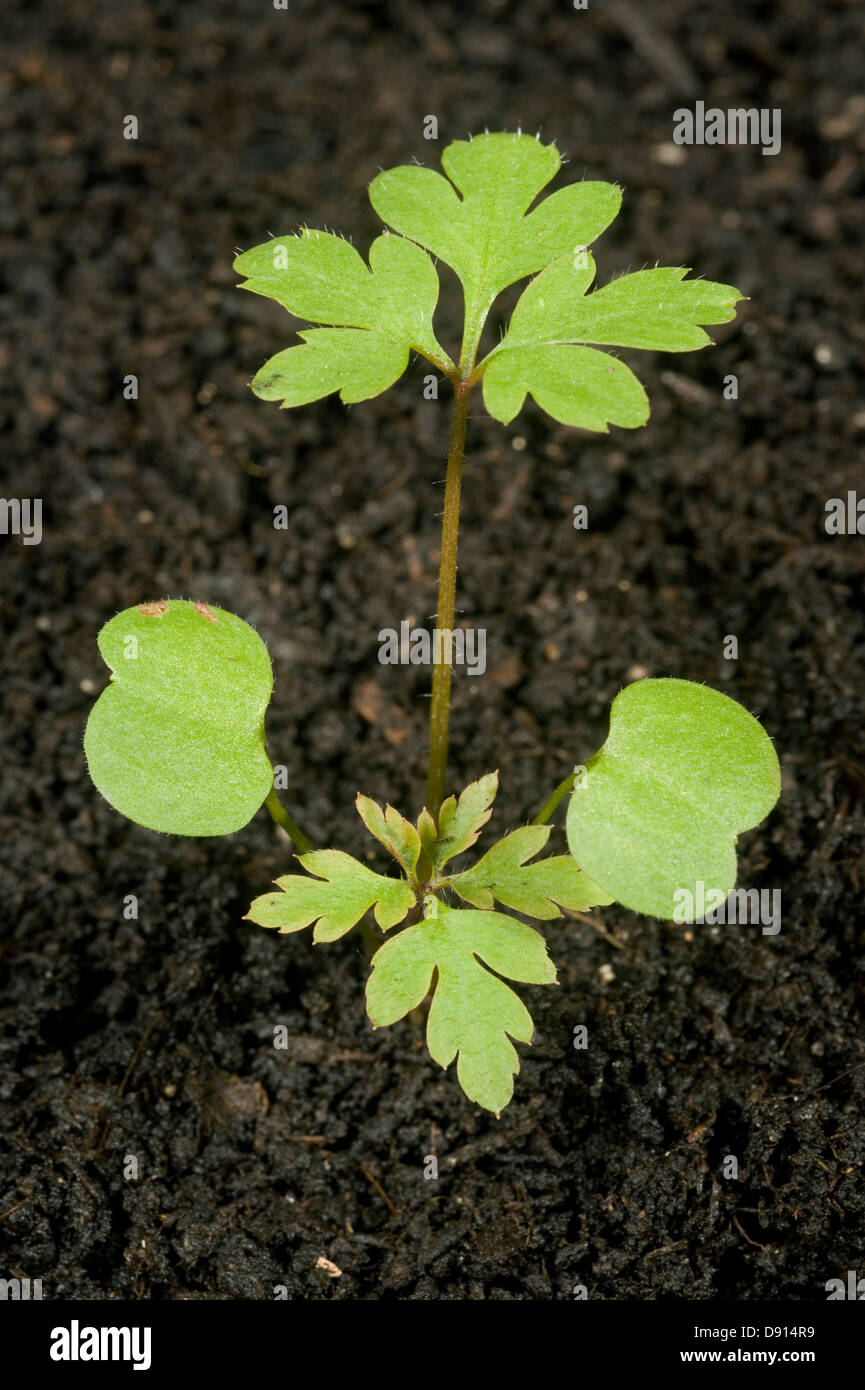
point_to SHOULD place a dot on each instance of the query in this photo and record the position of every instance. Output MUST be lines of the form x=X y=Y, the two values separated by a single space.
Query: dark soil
x=154 y=1038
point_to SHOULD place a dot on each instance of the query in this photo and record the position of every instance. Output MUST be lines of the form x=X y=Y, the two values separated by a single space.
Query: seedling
x=176 y=741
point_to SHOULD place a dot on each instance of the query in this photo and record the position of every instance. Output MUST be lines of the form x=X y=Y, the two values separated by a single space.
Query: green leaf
x=657 y=309
x=576 y=385
x=487 y=236
x=473 y=1014
x=657 y=811
x=384 y=310
x=353 y=361
x=542 y=351
x=176 y=741
x=428 y=832
x=460 y=822
x=337 y=897
x=538 y=890
x=399 y=836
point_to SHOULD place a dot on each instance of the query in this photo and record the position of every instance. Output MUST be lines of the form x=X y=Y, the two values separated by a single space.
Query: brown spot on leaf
x=153 y=610
x=206 y=612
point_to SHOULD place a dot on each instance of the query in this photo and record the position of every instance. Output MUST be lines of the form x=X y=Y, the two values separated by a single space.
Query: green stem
x=281 y=816
x=441 y=683
x=444 y=363
x=558 y=795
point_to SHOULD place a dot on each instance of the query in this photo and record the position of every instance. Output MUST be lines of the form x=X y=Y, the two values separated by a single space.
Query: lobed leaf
x=335 y=899
x=176 y=741
x=656 y=309
x=543 y=353
x=575 y=385
x=399 y=836
x=473 y=1015
x=383 y=311
x=488 y=236
x=684 y=770
x=539 y=890
x=355 y=362
x=460 y=821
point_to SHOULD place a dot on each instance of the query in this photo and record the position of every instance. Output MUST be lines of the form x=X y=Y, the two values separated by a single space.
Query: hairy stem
x=558 y=795
x=441 y=684
x=281 y=816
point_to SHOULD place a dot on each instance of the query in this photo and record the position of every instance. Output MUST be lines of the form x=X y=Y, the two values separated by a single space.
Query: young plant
x=176 y=741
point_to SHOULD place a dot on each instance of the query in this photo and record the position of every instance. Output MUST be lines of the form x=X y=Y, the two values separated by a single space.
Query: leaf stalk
x=442 y=671
x=281 y=816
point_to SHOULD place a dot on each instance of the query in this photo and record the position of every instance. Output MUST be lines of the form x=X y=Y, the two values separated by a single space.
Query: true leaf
x=355 y=362
x=656 y=309
x=176 y=741
x=575 y=385
x=487 y=235
x=539 y=889
x=684 y=770
x=473 y=1015
x=392 y=830
x=428 y=833
x=335 y=899
x=383 y=310
x=322 y=278
x=543 y=350
x=460 y=821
